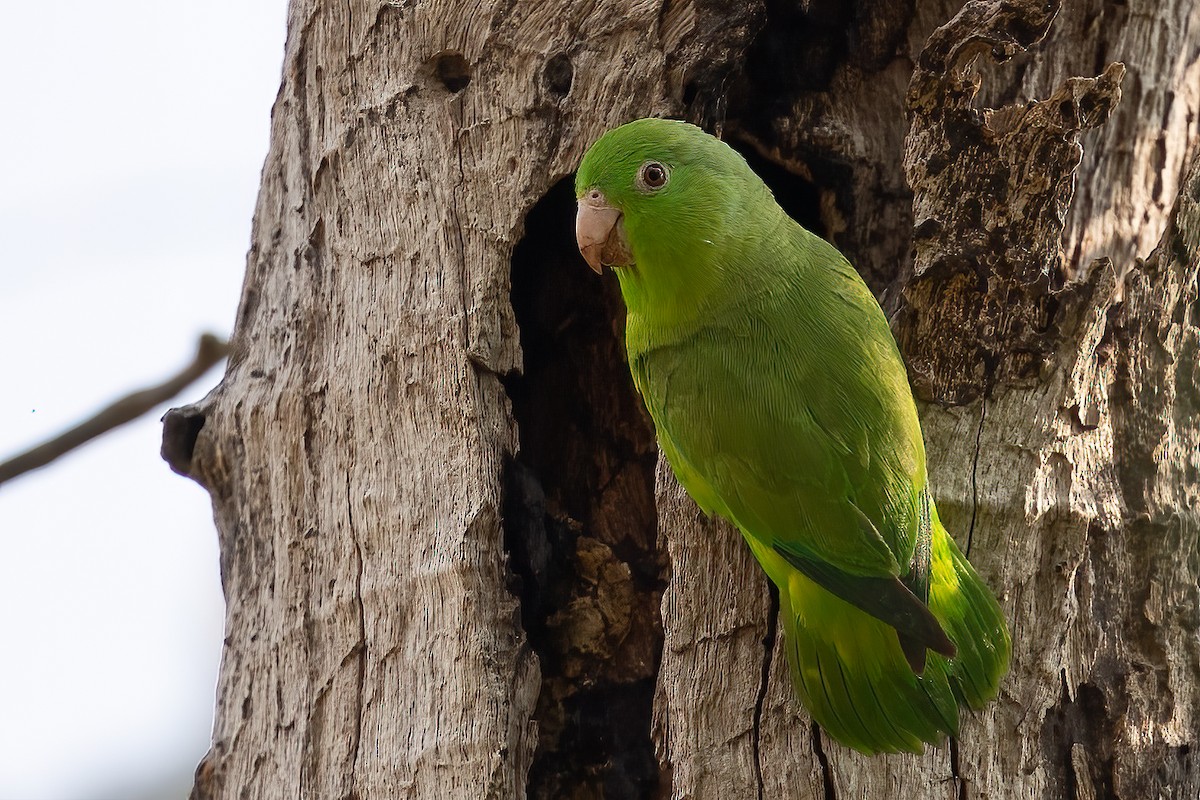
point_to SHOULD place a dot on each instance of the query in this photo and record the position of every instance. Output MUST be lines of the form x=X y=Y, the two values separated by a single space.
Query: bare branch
x=210 y=350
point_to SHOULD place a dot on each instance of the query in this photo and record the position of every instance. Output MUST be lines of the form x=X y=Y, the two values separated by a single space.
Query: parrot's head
x=665 y=204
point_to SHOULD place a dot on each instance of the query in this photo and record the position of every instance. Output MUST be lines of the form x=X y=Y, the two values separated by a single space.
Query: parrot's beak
x=599 y=232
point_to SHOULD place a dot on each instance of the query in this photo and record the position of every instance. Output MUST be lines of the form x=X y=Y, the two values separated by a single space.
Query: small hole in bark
x=580 y=522
x=452 y=70
x=558 y=74
x=690 y=92
x=181 y=427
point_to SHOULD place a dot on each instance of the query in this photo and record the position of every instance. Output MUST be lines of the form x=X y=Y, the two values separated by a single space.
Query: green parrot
x=781 y=403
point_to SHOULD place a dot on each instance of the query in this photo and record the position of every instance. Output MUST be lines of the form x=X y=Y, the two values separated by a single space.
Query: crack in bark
x=954 y=770
x=362 y=642
x=458 y=230
x=975 y=475
x=823 y=760
x=768 y=658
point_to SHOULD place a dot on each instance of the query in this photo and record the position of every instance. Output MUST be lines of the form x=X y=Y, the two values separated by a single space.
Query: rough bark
x=451 y=567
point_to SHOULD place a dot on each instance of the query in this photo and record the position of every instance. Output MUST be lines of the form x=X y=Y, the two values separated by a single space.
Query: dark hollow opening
x=1084 y=720
x=453 y=71
x=558 y=74
x=580 y=520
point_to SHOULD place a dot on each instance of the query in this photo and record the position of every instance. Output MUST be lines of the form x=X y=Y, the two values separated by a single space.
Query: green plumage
x=781 y=402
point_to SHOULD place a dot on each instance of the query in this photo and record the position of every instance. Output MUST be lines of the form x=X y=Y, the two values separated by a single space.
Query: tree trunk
x=453 y=563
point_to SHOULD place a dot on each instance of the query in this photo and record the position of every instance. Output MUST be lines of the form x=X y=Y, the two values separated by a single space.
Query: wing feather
x=818 y=460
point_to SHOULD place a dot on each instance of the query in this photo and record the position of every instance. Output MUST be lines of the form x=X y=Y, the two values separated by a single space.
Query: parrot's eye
x=652 y=176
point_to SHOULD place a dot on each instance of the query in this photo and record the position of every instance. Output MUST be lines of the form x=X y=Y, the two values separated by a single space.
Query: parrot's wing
x=766 y=463
x=886 y=598
x=781 y=481
x=791 y=415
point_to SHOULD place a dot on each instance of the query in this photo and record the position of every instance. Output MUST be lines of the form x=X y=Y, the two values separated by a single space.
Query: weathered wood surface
x=1028 y=462
x=441 y=570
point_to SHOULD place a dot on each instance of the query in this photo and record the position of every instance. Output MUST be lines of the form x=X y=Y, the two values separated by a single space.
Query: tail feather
x=857 y=683
x=973 y=619
x=855 y=678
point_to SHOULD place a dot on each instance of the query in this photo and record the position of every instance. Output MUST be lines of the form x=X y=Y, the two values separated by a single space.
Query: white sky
x=133 y=137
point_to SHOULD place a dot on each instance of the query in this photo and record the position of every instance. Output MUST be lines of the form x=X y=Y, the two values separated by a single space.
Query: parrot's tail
x=853 y=677
x=971 y=617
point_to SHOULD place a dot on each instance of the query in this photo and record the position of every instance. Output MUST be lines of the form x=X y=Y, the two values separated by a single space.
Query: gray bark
x=451 y=565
